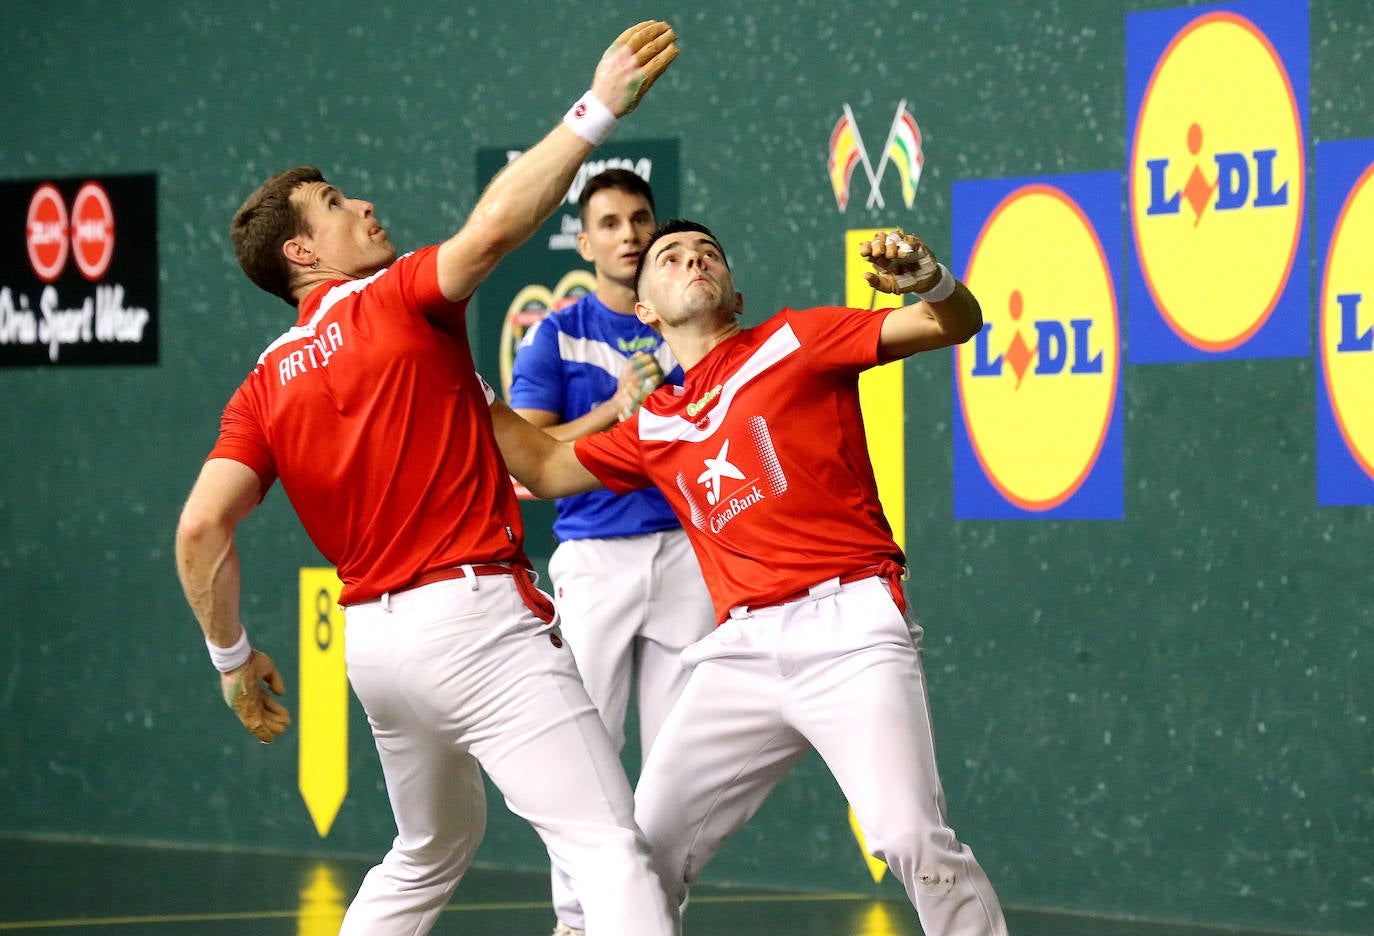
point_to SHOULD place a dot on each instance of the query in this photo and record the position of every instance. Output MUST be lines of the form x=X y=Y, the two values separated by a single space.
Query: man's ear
x=739 y=303
x=298 y=252
x=584 y=246
x=646 y=314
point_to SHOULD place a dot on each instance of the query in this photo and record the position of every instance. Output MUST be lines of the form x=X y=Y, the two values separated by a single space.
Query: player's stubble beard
x=702 y=302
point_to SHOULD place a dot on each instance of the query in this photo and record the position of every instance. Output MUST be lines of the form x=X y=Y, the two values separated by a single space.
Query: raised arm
x=526 y=192
x=947 y=314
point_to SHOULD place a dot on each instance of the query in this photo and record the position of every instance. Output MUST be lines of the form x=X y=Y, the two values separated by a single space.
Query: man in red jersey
x=371 y=414
x=762 y=454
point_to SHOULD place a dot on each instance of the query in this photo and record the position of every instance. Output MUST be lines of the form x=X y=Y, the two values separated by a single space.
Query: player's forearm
x=208 y=566
x=526 y=192
x=515 y=203
x=546 y=466
x=925 y=325
x=599 y=418
x=960 y=317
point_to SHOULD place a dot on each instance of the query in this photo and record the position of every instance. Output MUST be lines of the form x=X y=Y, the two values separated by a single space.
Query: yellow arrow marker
x=877 y=921
x=876 y=868
x=322 y=769
x=322 y=903
x=881 y=395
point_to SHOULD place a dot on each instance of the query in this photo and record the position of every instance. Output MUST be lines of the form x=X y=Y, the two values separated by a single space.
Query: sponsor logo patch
x=1217 y=107
x=1345 y=325
x=1037 y=391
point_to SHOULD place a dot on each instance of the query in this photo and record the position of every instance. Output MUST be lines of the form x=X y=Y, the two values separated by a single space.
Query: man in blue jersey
x=629 y=592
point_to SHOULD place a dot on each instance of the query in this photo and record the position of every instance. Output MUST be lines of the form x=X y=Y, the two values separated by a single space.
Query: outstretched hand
x=633 y=63
x=903 y=261
x=261 y=714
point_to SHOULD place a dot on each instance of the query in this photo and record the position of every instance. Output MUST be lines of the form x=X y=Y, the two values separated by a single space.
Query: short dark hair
x=674 y=226
x=266 y=221
x=620 y=179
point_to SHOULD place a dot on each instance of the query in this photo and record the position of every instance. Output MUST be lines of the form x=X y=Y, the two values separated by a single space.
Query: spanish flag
x=905 y=152
x=844 y=154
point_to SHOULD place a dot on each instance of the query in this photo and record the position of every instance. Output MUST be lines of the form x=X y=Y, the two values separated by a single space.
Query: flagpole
x=887 y=148
x=863 y=157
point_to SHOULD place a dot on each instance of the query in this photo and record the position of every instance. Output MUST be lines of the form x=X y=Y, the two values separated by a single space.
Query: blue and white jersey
x=570 y=363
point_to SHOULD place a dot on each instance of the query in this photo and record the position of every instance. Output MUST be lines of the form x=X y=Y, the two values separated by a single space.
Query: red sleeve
x=615 y=456
x=412 y=283
x=241 y=436
x=838 y=337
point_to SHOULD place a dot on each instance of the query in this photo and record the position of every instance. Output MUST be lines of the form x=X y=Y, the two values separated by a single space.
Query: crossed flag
x=902 y=149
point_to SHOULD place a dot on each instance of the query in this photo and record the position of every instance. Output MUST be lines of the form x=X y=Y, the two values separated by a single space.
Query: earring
x=316 y=264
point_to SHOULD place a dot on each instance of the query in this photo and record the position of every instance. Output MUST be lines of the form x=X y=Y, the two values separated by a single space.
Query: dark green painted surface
x=89 y=889
x=1167 y=716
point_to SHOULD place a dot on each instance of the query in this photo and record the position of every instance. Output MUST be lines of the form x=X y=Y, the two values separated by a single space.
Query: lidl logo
x=1345 y=329
x=1037 y=392
x=1217 y=104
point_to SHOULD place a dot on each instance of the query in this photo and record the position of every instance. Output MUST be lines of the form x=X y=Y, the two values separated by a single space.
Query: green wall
x=1166 y=716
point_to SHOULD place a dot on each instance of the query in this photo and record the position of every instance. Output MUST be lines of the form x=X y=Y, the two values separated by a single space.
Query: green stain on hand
x=232 y=693
x=632 y=92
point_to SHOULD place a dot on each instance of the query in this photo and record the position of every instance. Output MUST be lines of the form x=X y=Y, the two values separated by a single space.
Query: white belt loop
x=469 y=574
x=829 y=587
x=386 y=602
x=739 y=612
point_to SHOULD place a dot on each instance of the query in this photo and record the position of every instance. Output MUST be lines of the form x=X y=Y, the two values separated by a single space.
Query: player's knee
x=924 y=859
x=426 y=864
x=611 y=851
x=907 y=848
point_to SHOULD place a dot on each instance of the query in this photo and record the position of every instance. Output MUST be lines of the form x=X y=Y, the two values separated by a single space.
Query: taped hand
x=632 y=63
x=261 y=714
x=904 y=263
x=642 y=376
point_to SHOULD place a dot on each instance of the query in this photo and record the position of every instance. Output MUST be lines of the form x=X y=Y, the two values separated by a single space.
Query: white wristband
x=228 y=659
x=943 y=289
x=590 y=119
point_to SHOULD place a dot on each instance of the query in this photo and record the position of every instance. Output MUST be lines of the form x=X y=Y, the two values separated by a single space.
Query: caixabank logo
x=1037 y=421
x=1217 y=114
x=1345 y=323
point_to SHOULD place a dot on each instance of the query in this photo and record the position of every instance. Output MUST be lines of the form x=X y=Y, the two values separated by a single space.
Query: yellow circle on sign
x=1039 y=402
x=1347 y=326
x=1220 y=112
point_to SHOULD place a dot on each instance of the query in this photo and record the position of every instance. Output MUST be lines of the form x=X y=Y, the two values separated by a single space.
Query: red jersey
x=372 y=414
x=762 y=455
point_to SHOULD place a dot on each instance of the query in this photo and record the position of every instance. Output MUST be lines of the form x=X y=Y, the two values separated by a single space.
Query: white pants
x=839 y=671
x=460 y=673
x=627 y=605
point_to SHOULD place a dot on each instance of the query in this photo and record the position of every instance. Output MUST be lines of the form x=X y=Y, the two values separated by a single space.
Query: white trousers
x=839 y=671
x=628 y=606
x=460 y=673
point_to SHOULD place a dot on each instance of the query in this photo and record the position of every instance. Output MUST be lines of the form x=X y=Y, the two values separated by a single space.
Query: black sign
x=78 y=271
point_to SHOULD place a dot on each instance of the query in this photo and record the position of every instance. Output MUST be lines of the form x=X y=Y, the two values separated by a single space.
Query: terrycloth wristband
x=943 y=289
x=228 y=659
x=590 y=119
